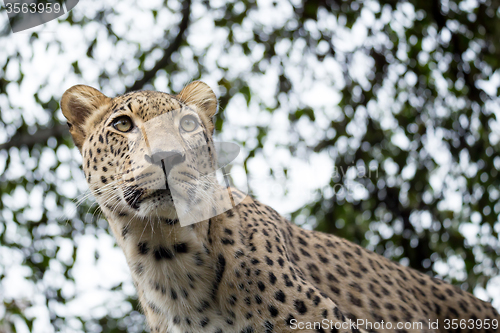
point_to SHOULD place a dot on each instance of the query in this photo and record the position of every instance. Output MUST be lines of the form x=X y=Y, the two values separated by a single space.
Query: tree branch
x=40 y=136
x=174 y=46
x=59 y=130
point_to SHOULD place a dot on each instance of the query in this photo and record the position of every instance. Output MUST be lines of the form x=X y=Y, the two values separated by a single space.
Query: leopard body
x=247 y=269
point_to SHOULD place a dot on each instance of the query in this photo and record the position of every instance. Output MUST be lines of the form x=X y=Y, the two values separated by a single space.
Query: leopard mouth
x=132 y=196
x=158 y=195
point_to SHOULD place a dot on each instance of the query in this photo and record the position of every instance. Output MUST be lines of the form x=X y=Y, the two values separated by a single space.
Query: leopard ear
x=200 y=95
x=77 y=104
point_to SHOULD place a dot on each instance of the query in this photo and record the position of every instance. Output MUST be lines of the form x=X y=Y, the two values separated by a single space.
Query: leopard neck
x=176 y=270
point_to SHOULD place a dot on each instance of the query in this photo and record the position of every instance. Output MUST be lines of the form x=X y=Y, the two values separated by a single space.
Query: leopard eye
x=189 y=123
x=123 y=124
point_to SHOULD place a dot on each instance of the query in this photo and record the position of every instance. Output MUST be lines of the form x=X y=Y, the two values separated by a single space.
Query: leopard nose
x=169 y=158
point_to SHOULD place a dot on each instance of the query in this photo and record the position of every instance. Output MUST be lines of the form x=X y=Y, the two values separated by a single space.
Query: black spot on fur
x=219 y=272
x=227 y=241
x=204 y=322
x=181 y=248
x=162 y=253
x=143 y=247
x=269 y=261
x=173 y=294
x=273 y=310
x=300 y=306
x=272 y=278
x=280 y=296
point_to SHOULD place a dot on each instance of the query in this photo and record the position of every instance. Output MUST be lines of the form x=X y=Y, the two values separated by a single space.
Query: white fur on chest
x=174 y=274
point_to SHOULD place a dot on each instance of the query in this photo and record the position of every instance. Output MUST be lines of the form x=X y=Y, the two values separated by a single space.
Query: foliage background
x=373 y=120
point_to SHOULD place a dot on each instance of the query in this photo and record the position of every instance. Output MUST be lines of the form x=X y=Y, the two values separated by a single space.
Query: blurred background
x=376 y=121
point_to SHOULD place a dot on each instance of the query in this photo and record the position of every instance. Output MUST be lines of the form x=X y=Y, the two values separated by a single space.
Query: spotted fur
x=246 y=270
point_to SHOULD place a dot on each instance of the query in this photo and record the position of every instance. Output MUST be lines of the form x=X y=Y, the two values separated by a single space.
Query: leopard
x=243 y=268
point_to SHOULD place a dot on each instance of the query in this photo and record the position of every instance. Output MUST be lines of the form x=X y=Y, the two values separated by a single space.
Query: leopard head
x=143 y=150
